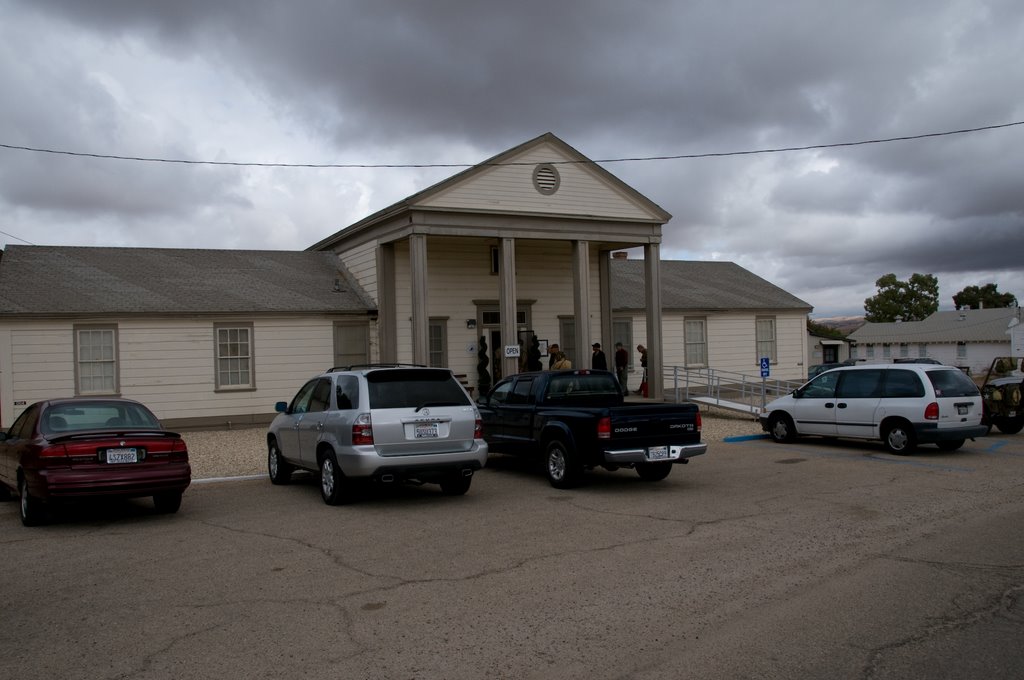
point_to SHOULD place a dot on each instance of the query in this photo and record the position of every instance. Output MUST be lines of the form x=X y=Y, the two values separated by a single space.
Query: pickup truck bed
x=577 y=420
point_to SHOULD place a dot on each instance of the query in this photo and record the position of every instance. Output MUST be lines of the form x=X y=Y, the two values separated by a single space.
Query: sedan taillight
x=362 y=430
x=53 y=451
x=931 y=412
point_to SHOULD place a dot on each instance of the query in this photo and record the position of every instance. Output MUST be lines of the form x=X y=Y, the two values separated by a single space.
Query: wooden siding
x=168 y=364
x=509 y=188
x=361 y=262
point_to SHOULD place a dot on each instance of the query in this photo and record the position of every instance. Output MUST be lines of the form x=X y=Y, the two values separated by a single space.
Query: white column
x=418 y=277
x=655 y=349
x=581 y=301
x=507 y=305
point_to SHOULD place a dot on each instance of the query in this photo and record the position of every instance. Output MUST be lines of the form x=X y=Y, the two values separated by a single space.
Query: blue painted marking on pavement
x=745 y=438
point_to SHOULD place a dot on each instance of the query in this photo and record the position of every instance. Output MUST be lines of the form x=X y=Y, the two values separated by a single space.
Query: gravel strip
x=241 y=452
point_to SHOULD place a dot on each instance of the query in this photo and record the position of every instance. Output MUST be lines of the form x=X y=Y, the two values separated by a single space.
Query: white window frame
x=695 y=341
x=233 y=357
x=765 y=334
x=437 y=342
x=961 y=350
x=88 y=362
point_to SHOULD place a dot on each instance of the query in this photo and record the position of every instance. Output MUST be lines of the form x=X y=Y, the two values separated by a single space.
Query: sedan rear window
x=96 y=416
x=952 y=383
x=414 y=388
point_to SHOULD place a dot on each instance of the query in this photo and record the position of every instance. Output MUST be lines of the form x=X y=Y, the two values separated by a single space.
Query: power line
x=17 y=237
x=751 y=152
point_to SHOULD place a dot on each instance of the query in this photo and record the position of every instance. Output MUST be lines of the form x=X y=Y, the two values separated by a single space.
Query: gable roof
x=431 y=198
x=81 y=281
x=965 y=325
x=695 y=285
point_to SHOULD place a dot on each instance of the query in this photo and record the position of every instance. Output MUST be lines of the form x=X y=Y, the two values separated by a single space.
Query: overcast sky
x=446 y=81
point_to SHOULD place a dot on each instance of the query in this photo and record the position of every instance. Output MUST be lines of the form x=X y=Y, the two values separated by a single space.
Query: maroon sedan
x=90 y=447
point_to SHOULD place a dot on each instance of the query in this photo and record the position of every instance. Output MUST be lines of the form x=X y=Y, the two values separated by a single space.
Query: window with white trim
x=96 y=367
x=234 y=356
x=886 y=350
x=437 y=342
x=904 y=349
x=696 y=341
x=922 y=349
x=765 y=330
x=961 y=350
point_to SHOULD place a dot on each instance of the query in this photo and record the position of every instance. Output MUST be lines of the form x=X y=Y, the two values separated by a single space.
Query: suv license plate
x=122 y=456
x=657 y=453
x=427 y=431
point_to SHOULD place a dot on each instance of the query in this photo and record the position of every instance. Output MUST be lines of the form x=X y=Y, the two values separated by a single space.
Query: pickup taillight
x=604 y=428
x=700 y=423
x=362 y=430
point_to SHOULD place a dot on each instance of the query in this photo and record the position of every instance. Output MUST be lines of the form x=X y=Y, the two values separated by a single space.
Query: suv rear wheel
x=456 y=484
x=332 y=481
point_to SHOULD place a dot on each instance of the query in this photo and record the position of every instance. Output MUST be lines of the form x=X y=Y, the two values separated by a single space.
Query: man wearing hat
x=598 y=360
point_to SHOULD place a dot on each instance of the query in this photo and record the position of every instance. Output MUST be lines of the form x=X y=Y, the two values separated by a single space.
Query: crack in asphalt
x=1001 y=606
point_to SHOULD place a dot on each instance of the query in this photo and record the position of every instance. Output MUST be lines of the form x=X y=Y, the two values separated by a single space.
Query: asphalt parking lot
x=803 y=560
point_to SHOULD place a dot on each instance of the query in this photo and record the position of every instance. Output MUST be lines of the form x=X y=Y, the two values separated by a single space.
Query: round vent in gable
x=546 y=179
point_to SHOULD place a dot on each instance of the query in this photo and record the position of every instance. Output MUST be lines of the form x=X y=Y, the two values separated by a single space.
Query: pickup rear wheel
x=456 y=484
x=562 y=465
x=653 y=472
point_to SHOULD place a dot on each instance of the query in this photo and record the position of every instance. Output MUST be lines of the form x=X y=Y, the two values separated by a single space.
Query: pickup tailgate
x=649 y=427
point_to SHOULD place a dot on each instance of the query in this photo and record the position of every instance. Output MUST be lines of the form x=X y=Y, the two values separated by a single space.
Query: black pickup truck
x=577 y=420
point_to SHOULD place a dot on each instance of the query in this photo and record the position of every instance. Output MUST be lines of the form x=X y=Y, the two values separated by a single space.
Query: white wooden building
x=517 y=247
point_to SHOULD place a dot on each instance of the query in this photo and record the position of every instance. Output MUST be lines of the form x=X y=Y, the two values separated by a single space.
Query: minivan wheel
x=899 y=439
x=332 y=482
x=780 y=428
x=951 y=445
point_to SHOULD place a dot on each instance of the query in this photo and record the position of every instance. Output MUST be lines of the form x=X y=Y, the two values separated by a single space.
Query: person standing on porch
x=622 y=366
x=598 y=361
x=553 y=351
x=643 y=364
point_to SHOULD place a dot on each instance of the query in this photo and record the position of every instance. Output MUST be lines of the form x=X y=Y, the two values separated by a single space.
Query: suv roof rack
x=356 y=367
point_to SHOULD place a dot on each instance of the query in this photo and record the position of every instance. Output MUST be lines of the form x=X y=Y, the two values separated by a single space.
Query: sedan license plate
x=426 y=431
x=122 y=455
x=657 y=453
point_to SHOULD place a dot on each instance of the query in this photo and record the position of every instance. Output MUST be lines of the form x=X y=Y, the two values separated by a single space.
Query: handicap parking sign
x=765 y=366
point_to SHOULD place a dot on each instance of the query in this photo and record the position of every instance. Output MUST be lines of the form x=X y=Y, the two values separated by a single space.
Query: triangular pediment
x=543 y=176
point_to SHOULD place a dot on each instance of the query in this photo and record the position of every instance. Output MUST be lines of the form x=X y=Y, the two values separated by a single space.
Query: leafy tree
x=823 y=331
x=987 y=296
x=911 y=300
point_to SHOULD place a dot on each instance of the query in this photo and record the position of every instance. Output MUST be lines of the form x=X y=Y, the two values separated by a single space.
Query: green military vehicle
x=1001 y=393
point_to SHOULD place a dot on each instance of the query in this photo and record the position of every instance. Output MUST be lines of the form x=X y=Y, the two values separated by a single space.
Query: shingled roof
x=83 y=281
x=967 y=325
x=694 y=285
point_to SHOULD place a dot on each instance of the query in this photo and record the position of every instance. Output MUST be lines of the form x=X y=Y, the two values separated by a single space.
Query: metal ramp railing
x=725 y=389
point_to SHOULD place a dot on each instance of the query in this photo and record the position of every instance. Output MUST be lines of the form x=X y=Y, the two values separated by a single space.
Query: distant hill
x=843 y=324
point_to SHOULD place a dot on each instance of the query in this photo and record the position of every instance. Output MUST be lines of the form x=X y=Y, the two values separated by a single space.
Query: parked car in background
x=916 y=360
x=1001 y=390
x=818 y=369
x=388 y=424
x=903 y=405
x=88 y=447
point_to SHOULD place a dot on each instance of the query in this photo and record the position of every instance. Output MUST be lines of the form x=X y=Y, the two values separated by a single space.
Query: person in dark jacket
x=622 y=366
x=598 y=361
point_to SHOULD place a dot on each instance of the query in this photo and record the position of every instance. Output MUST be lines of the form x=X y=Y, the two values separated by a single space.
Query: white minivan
x=903 y=405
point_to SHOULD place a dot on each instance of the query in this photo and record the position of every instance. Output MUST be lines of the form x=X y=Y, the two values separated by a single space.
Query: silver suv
x=383 y=423
x=903 y=405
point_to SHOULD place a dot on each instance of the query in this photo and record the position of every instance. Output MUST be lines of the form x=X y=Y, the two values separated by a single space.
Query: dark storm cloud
x=411 y=81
